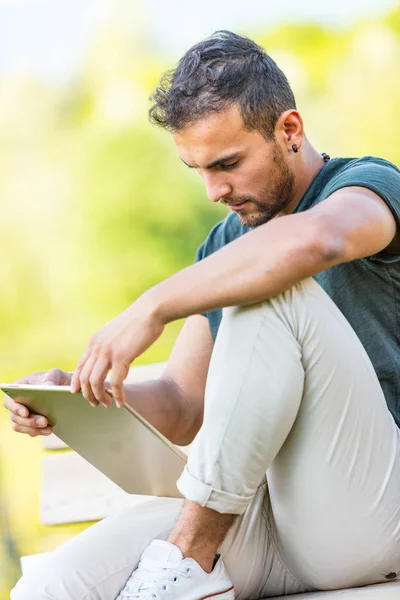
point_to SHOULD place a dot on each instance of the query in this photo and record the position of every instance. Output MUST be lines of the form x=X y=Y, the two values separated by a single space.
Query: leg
x=291 y=390
x=335 y=484
x=199 y=532
x=96 y=564
x=229 y=418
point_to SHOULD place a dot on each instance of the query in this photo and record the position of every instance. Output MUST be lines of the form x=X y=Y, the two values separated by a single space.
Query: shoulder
x=375 y=174
x=221 y=234
x=371 y=172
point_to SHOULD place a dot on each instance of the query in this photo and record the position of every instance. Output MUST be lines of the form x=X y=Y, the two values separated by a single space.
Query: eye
x=229 y=167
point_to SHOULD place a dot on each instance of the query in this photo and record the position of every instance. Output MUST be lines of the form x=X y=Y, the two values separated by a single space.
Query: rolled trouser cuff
x=209 y=497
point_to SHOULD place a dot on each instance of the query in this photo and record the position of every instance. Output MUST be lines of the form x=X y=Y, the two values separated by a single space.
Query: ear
x=290 y=129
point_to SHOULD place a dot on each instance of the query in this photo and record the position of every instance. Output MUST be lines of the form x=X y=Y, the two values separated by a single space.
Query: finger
x=118 y=376
x=85 y=381
x=15 y=407
x=98 y=375
x=75 y=382
x=32 y=431
x=33 y=420
x=56 y=377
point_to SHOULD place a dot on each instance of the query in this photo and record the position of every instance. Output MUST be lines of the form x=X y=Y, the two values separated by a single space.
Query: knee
x=41 y=586
x=26 y=589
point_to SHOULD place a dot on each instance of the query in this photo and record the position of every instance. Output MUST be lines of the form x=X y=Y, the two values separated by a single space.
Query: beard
x=273 y=199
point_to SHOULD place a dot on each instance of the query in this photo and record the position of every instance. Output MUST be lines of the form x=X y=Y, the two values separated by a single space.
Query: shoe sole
x=226 y=595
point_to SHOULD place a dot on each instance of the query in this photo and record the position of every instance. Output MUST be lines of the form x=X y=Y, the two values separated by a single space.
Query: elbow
x=332 y=252
x=327 y=245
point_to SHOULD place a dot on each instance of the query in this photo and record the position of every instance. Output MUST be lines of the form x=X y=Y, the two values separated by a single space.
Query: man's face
x=240 y=168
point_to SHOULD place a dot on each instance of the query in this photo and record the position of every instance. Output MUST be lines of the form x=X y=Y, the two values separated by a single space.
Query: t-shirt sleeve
x=223 y=233
x=220 y=235
x=379 y=176
x=212 y=243
x=200 y=253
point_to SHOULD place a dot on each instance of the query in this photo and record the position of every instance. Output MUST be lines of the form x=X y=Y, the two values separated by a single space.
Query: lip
x=237 y=206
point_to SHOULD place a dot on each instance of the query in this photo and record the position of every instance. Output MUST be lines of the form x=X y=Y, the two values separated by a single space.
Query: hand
x=115 y=347
x=31 y=423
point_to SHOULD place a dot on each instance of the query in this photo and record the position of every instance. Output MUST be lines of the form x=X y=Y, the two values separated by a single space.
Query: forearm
x=260 y=265
x=162 y=403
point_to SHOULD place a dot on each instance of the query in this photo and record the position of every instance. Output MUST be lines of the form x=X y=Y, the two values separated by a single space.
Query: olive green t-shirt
x=367 y=291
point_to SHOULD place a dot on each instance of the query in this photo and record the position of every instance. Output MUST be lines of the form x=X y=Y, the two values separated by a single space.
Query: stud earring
x=295 y=148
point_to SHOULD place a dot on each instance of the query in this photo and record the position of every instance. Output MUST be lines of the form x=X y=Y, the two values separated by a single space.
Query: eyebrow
x=217 y=162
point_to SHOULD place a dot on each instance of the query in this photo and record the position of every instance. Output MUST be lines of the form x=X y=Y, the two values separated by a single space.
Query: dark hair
x=219 y=71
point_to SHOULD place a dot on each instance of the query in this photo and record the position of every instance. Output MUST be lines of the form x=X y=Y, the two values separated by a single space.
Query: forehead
x=214 y=135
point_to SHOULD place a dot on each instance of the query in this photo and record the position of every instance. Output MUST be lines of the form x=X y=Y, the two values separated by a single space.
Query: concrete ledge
x=74 y=491
x=384 y=591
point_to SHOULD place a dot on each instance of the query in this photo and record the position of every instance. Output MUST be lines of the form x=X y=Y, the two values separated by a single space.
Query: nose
x=216 y=189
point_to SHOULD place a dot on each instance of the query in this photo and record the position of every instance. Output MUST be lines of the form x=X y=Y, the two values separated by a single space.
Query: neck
x=308 y=164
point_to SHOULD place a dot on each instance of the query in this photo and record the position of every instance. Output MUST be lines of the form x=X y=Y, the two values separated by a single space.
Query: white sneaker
x=164 y=574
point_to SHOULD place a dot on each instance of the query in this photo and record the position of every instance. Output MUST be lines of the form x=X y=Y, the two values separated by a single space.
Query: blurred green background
x=96 y=207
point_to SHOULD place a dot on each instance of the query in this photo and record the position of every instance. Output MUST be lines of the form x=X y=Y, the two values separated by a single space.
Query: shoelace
x=151 y=579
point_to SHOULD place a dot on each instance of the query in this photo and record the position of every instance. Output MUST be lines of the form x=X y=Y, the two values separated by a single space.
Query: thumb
x=55 y=377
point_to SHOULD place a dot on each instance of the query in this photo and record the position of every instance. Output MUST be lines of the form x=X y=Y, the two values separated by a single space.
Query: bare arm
x=174 y=403
x=351 y=223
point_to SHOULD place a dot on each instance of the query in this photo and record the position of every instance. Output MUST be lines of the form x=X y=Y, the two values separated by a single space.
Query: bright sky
x=50 y=37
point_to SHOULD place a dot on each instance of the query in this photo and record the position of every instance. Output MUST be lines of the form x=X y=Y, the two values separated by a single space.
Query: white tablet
x=117 y=441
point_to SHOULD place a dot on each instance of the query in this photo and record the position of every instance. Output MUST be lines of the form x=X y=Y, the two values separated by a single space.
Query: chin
x=254 y=220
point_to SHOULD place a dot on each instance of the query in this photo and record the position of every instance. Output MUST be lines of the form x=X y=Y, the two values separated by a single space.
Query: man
x=294 y=474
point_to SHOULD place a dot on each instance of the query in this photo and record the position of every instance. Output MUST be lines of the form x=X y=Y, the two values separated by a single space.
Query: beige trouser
x=290 y=393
